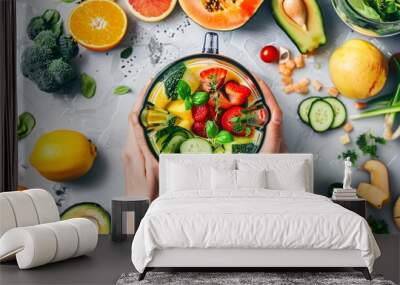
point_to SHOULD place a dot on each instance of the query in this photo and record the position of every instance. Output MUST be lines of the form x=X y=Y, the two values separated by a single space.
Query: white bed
x=248 y=227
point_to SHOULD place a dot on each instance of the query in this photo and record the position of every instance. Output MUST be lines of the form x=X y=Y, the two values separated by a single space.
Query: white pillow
x=281 y=174
x=188 y=175
x=223 y=179
x=251 y=178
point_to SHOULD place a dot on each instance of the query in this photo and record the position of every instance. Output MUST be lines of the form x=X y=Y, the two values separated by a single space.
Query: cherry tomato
x=269 y=54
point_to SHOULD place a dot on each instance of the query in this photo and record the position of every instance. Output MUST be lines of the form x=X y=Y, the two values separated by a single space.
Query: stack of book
x=344 y=194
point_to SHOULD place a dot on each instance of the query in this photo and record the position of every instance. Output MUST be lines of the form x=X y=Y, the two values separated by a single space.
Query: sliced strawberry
x=200 y=113
x=219 y=100
x=212 y=79
x=199 y=128
x=231 y=121
x=237 y=93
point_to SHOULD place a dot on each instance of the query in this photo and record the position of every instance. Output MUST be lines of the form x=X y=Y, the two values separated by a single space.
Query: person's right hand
x=273 y=142
x=140 y=166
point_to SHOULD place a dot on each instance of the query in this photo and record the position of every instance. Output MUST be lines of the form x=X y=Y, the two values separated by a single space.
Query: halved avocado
x=92 y=211
x=309 y=39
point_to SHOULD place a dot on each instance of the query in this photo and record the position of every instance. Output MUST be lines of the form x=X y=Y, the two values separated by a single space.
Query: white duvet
x=250 y=219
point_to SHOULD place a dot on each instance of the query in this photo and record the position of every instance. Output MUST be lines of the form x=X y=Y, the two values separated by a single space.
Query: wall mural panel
x=82 y=105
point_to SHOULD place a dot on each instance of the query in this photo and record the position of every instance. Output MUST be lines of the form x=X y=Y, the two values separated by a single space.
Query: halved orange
x=98 y=25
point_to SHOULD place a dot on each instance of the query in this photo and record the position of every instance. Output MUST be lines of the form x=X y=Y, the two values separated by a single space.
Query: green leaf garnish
x=211 y=129
x=126 y=52
x=351 y=153
x=200 y=98
x=183 y=89
x=367 y=143
x=26 y=123
x=122 y=90
x=87 y=85
x=224 y=137
x=188 y=103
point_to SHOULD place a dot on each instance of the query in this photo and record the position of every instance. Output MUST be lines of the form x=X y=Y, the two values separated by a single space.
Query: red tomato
x=269 y=54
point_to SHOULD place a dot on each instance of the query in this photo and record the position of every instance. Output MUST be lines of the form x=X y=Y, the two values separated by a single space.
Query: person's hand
x=140 y=166
x=273 y=142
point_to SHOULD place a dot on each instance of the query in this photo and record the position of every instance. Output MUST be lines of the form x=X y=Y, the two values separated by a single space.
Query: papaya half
x=221 y=15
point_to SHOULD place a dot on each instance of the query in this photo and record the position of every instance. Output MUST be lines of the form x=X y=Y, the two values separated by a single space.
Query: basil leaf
x=88 y=86
x=188 y=103
x=200 y=98
x=224 y=137
x=211 y=129
x=183 y=89
x=126 y=52
x=68 y=1
x=51 y=16
x=122 y=90
x=26 y=123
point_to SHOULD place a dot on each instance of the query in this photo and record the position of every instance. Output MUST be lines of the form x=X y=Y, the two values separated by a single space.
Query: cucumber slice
x=340 y=111
x=321 y=116
x=196 y=145
x=174 y=144
x=304 y=108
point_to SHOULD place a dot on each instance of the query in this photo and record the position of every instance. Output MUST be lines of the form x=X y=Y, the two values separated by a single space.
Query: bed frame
x=242 y=259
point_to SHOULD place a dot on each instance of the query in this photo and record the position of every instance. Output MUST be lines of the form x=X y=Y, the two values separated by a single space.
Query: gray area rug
x=243 y=278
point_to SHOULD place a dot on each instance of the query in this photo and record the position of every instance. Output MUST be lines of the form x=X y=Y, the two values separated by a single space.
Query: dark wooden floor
x=103 y=266
x=110 y=259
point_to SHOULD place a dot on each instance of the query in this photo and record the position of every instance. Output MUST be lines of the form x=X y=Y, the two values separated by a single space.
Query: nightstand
x=356 y=205
x=138 y=205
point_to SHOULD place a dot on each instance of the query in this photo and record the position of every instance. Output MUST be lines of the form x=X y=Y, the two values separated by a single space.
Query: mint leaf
x=87 y=86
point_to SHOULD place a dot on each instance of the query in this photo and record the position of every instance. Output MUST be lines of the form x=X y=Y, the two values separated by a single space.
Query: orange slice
x=98 y=25
x=151 y=10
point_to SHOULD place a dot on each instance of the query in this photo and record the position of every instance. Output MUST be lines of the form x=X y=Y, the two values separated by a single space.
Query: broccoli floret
x=68 y=48
x=46 y=82
x=47 y=39
x=62 y=72
x=35 y=59
x=35 y=26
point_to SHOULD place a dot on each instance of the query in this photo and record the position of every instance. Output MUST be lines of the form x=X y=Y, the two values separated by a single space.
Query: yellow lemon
x=63 y=155
x=358 y=69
